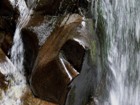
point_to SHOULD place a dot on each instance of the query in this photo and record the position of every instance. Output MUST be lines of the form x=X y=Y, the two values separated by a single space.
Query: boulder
x=52 y=72
x=50 y=82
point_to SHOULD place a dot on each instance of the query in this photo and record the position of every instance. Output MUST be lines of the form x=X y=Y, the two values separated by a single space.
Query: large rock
x=52 y=73
x=50 y=82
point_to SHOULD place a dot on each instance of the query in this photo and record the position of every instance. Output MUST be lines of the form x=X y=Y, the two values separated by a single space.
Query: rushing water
x=122 y=27
x=14 y=70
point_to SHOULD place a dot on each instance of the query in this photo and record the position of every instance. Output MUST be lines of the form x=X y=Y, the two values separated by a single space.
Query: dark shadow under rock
x=6 y=8
x=74 y=53
x=30 y=43
x=84 y=85
x=53 y=72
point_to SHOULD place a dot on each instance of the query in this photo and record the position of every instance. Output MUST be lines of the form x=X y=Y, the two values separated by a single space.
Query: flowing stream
x=122 y=41
x=15 y=70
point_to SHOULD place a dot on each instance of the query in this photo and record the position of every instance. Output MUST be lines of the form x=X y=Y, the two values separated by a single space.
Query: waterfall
x=122 y=40
x=15 y=71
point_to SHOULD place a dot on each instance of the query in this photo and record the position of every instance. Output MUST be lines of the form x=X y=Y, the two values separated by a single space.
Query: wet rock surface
x=81 y=85
x=51 y=82
x=56 y=43
x=52 y=75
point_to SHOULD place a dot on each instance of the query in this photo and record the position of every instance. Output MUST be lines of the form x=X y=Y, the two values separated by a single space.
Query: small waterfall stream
x=122 y=27
x=15 y=71
x=122 y=49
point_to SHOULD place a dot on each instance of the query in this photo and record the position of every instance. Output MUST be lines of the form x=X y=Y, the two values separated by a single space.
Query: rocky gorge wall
x=60 y=51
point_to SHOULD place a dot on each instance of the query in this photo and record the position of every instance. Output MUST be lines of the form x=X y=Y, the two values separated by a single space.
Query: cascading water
x=15 y=71
x=122 y=28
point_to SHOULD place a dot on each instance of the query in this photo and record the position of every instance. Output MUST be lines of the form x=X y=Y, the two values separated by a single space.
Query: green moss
x=93 y=51
x=101 y=34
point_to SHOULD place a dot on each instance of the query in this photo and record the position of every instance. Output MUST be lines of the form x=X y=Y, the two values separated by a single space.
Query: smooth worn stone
x=50 y=82
x=51 y=74
x=74 y=53
x=73 y=72
x=7 y=29
x=84 y=85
